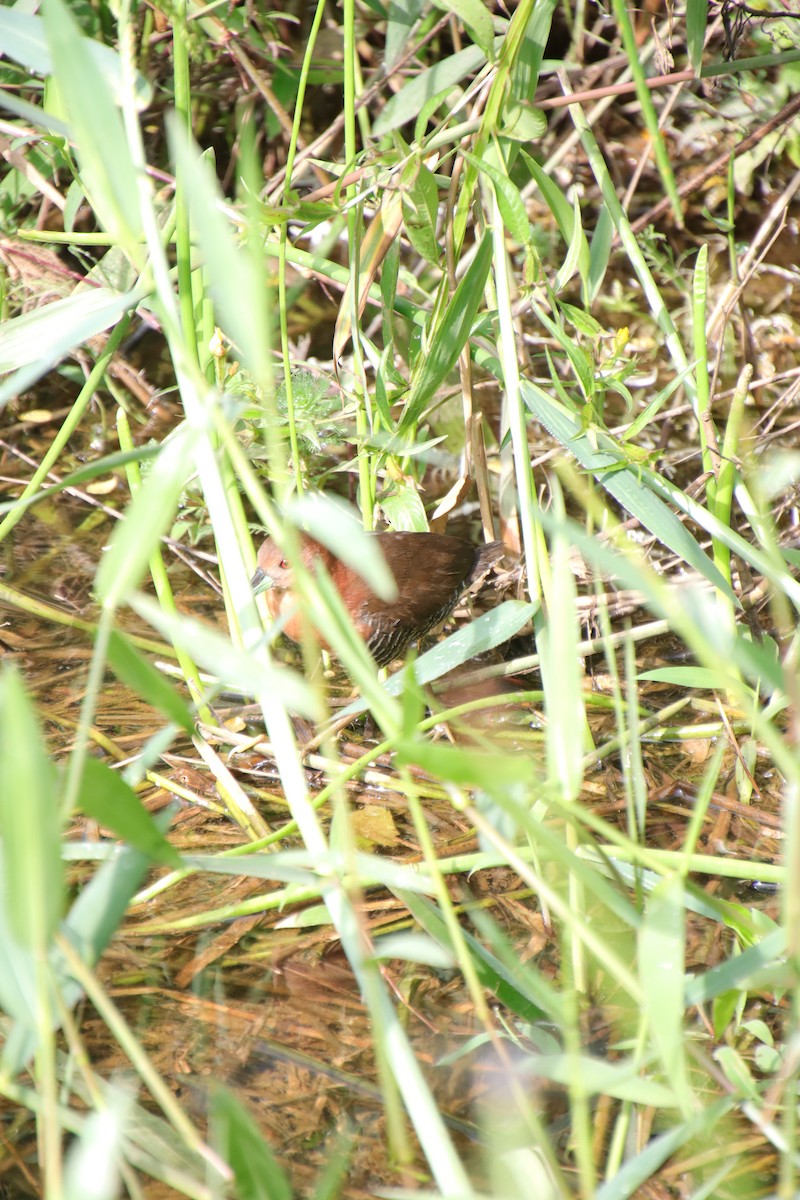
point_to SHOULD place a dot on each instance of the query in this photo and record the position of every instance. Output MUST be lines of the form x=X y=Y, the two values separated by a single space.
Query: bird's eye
x=283 y=564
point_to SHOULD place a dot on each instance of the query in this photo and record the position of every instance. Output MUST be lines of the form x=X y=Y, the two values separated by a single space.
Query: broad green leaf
x=41 y=338
x=723 y=1009
x=696 y=21
x=30 y=820
x=91 y=923
x=600 y=251
x=420 y=199
x=523 y=124
x=311 y=917
x=759 y=966
x=661 y=973
x=526 y=46
x=449 y=338
x=387 y=373
x=414 y=948
x=688 y=677
x=511 y=205
x=523 y=990
x=106 y=798
x=23 y=37
x=147 y=518
x=576 y=252
x=239 y=1142
x=489 y=630
x=403 y=507
x=34 y=116
x=129 y=665
x=759 y=662
x=406 y=104
x=401 y=17
x=566 y=216
x=106 y=164
x=631 y=486
x=74 y=199
x=101 y=904
x=17 y=970
x=237 y=283
x=477 y=19
x=584 y=322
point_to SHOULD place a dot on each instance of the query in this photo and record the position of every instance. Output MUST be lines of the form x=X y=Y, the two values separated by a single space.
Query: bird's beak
x=261 y=582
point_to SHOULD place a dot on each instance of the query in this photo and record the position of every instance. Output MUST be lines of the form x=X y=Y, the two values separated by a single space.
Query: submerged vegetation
x=519 y=918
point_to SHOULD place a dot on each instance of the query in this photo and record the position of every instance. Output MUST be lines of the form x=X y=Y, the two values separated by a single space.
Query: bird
x=431 y=572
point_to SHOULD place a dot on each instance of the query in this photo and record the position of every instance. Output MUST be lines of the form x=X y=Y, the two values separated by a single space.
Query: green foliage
x=495 y=312
x=315 y=409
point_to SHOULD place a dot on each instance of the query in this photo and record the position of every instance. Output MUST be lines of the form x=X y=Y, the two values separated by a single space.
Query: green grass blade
x=30 y=821
x=239 y=1142
x=107 y=798
x=630 y=485
x=107 y=170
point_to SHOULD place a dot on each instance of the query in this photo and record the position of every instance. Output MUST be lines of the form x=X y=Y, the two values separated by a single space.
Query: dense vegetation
x=522 y=920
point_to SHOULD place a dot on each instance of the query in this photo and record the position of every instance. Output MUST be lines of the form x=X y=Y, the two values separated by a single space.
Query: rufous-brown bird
x=431 y=571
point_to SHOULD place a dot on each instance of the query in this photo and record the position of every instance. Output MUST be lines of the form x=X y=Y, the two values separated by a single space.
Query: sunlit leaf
x=23 y=37
x=30 y=820
x=106 y=798
x=449 y=339
x=629 y=485
x=696 y=21
x=107 y=169
x=129 y=665
x=33 y=343
x=147 y=518
x=477 y=19
x=661 y=972
x=235 y=279
x=406 y=104
x=240 y=1143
